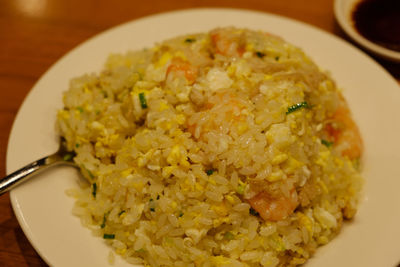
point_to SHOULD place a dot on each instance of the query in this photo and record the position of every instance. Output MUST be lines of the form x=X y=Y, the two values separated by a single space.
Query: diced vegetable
x=103 y=224
x=152 y=205
x=297 y=107
x=209 y=172
x=326 y=143
x=260 y=54
x=241 y=187
x=229 y=236
x=68 y=157
x=94 y=189
x=253 y=212
x=108 y=236
x=190 y=40
x=143 y=101
x=121 y=212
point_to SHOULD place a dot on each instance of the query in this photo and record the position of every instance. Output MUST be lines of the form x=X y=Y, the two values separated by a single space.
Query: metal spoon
x=62 y=156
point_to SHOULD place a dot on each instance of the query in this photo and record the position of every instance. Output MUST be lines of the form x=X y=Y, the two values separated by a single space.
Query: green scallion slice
x=121 y=212
x=103 y=224
x=240 y=189
x=297 y=107
x=152 y=205
x=209 y=172
x=68 y=157
x=190 y=40
x=253 y=212
x=90 y=174
x=94 y=189
x=260 y=54
x=143 y=101
x=108 y=236
x=326 y=143
x=229 y=236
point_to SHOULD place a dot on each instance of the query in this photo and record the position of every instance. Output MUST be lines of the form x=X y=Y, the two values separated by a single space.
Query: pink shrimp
x=222 y=102
x=179 y=66
x=344 y=132
x=274 y=208
x=226 y=42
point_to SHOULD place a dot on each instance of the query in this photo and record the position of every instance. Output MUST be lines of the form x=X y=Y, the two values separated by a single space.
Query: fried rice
x=226 y=148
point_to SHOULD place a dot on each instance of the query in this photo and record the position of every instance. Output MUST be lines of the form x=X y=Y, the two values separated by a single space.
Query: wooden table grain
x=34 y=34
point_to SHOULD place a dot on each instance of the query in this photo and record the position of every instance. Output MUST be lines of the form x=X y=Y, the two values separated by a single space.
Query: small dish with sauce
x=374 y=24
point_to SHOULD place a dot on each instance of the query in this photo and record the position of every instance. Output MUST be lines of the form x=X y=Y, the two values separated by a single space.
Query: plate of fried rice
x=212 y=137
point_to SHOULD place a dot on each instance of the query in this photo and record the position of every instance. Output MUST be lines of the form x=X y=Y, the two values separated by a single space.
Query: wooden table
x=36 y=33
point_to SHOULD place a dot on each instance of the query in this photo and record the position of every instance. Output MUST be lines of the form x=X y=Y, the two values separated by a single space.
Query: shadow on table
x=31 y=258
x=15 y=249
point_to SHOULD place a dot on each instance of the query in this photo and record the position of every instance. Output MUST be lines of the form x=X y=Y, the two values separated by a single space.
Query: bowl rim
x=342 y=11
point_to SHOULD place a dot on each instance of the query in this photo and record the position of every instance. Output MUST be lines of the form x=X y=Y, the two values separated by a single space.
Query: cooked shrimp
x=181 y=67
x=226 y=43
x=222 y=104
x=344 y=132
x=274 y=208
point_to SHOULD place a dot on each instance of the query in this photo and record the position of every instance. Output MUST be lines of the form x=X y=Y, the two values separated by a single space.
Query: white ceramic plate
x=44 y=211
x=343 y=12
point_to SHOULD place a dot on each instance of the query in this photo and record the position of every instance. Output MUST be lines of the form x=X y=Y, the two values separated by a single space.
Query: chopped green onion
x=80 y=109
x=253 y=212
x=90 y=174
x=297 y=106
x=108 y=236
x=77 y=145
x=229 y=236
x=180 y=214
x=68 y=157
x=143 y=101
x=209 y=172
x=103 y=224
x=86 y=172
x=240 y=189
x=326 y=143
x=190 y=40
x=277 y=58
x=94 y=190
x=260 y=54
x=152 y=205
x=122 y=212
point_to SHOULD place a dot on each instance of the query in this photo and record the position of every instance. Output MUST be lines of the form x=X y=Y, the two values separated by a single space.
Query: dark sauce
x=379 y=21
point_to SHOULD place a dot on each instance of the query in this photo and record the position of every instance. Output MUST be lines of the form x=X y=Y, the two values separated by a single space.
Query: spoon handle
x=28 y=171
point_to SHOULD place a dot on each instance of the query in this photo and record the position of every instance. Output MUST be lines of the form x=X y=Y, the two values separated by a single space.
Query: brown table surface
x=36 y=33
